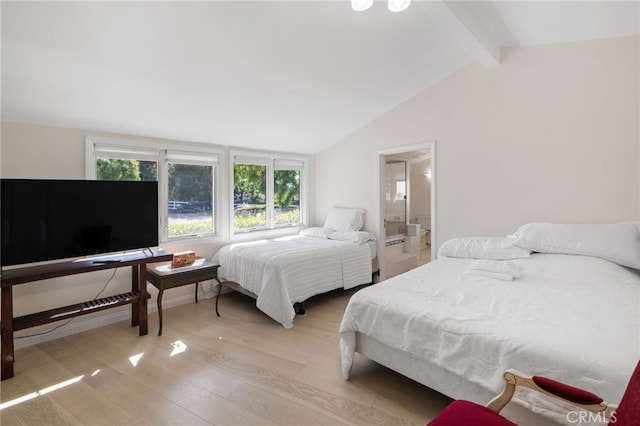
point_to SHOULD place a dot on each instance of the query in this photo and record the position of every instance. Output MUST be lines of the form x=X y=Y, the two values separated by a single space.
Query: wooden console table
x=137 y=298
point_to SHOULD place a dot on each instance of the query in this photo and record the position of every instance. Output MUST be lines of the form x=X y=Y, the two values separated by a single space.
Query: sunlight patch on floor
x=40 y=392
x=135 y=359
x=178 y=347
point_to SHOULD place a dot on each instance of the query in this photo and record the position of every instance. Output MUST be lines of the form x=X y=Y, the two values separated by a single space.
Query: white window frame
x=271 y=161
x=162 y=153
x=195 y=158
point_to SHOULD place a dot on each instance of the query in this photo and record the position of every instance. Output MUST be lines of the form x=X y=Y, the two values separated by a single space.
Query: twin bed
x=560 y=301
x=282 y=273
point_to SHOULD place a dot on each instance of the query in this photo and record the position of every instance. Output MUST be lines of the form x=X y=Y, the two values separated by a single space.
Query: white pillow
x=493 y=248
x=353 y=236
x=315 y=232
x=343 y=219
x=616 y=242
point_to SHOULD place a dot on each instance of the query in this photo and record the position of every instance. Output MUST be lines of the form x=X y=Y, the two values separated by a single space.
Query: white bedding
x=284 y=271
x=572 y=318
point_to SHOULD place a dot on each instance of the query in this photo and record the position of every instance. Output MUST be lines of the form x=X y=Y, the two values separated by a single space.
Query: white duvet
x=284 y=271
x=572 y=318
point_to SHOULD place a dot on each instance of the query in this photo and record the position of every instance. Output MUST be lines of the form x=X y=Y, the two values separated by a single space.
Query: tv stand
x=137 y=297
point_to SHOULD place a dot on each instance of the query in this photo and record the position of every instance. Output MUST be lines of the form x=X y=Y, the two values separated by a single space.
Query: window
x=186 y=181
x=249 y=196
x=199 y=195
x=266 y=193
x=190 y=194
x=286 y=197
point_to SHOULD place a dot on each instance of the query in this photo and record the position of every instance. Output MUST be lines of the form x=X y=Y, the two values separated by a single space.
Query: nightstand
x=163 y=276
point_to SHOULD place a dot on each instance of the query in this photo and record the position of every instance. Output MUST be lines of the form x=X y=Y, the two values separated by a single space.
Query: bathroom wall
x=419 y=189
x=395 y=198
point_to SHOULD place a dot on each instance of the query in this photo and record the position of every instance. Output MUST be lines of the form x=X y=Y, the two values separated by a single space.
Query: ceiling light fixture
x=360 y=5
x=398 y=5
x=393 y=5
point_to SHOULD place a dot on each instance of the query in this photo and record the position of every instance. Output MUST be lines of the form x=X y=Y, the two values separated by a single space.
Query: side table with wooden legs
x=163 y=276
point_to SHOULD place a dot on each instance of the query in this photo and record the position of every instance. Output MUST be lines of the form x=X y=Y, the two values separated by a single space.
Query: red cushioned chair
x=465 y=413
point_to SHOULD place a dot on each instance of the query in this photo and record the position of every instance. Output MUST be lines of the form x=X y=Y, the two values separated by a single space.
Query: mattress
x=288 y=270
x=572 y=318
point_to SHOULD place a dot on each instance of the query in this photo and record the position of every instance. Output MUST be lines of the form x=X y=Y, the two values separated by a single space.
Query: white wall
x=41 y=152
x=551 y=134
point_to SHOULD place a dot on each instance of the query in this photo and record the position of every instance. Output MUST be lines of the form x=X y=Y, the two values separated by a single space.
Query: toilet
x=425 y=230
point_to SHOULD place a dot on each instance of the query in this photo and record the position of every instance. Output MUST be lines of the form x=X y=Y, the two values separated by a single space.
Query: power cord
x=70 y=319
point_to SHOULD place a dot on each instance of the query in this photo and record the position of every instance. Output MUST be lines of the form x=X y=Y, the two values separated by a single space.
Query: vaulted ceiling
x=283 y=75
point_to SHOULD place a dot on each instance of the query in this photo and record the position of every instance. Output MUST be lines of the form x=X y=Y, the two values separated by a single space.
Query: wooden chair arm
x=551 y=388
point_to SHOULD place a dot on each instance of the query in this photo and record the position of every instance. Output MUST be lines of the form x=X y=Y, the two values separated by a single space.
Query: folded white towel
x=495 y=275
x=495 y=266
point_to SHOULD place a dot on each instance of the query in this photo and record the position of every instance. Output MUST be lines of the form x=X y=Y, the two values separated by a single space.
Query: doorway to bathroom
x=406 y=207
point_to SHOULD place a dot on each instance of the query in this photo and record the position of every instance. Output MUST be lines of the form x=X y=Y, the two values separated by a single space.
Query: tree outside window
x=126 y=169
x=266 y=193
x=286 y=203
x=190 y=193
x=249 y=196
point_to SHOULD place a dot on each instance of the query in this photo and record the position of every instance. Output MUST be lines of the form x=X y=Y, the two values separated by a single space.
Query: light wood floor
x=425 y=255
x=240 y=369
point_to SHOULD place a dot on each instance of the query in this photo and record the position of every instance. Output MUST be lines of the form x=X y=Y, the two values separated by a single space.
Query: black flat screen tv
x=44 y=220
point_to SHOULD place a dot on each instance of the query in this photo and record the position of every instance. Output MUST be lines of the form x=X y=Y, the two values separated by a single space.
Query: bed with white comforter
x=283 y=271
x=572 y=317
